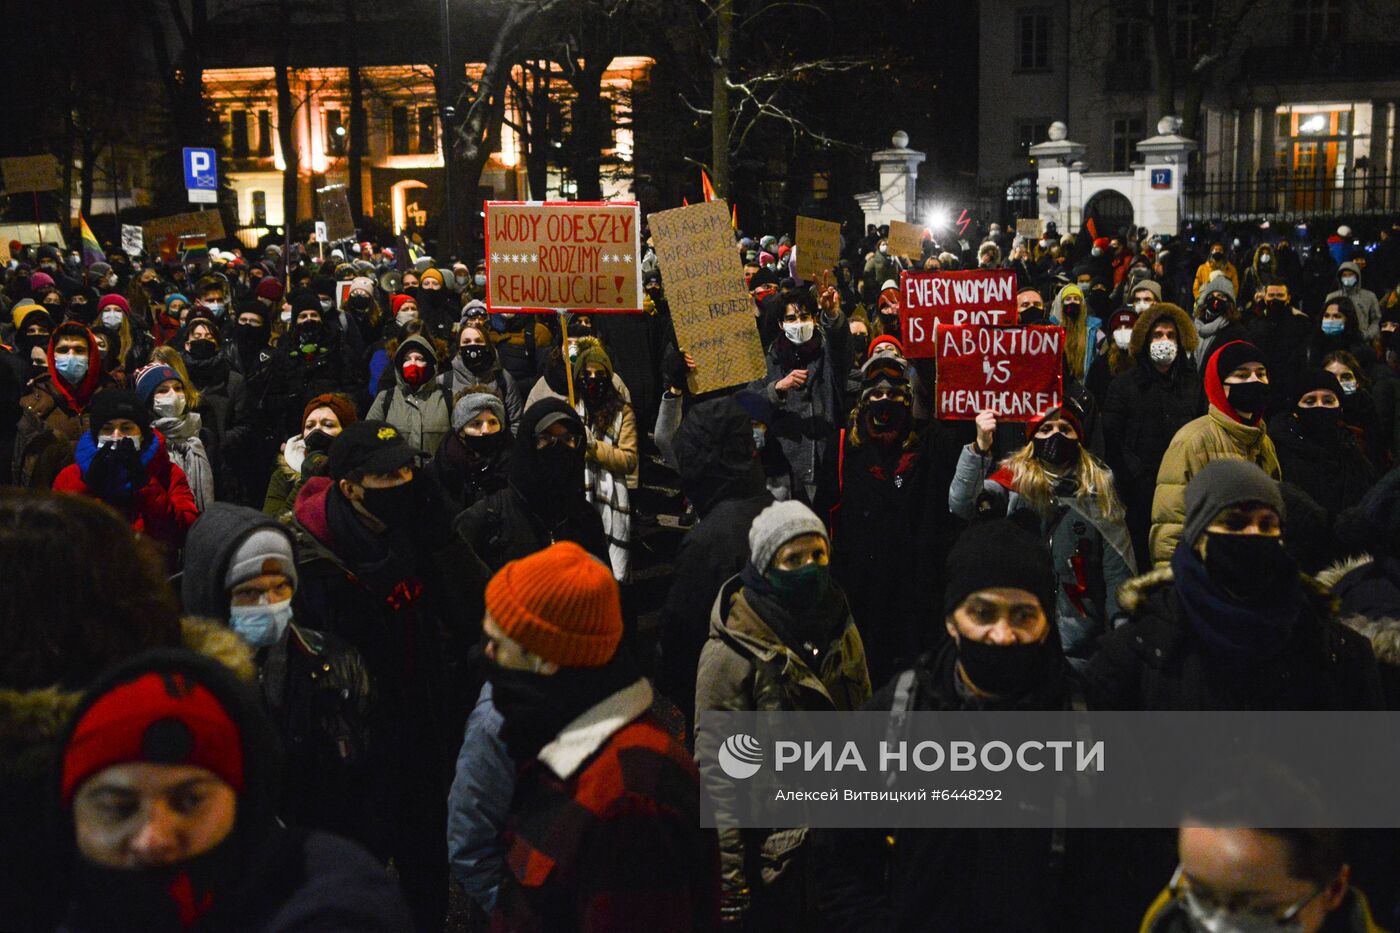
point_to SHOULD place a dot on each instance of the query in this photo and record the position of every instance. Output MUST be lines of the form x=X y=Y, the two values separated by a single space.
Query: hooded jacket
x=323 y=702
x=424 y=415
x=721 y=477
x=1217 y=434
x=457 y=377
x=51 y=418
x=1220 y=331
x=1090 y=323
x=1368 y=307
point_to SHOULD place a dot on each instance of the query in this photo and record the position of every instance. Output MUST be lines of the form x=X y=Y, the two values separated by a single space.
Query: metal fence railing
x=1290 y=196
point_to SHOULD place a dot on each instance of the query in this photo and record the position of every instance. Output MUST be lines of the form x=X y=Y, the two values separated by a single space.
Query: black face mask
x=84 y=311
x=250 y=336
x=317 y=441
x=476 y=357
x=485 y=446
x=309 y=336
x=395 y=506
x=1390 y=339
x=886 y=418
x=29 y=341
x=1250 y=398
x=1056 y=450
x=536 y=707
x=1032 y=316
x=202 y=350
x=595 y=389
x=1214 y=308
x=1217 y=257
x=1318 y=423
x=1071 y=309
x=357 y=303
x=1250 y=568
x=560 y=465
x=1276 y=308
x=148 y=896
x=1002 y=670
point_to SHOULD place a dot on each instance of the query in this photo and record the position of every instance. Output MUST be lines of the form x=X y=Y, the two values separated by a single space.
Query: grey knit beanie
x=1150 y=285
x=1220 y=485
x=264 y=550
x=777 y=525
x=473 y=404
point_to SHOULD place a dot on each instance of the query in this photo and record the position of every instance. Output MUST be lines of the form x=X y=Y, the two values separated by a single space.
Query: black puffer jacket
x=465 y=482
x=720 y=475
x=1336 y=475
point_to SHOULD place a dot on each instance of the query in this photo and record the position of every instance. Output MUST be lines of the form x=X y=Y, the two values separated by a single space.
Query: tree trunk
x=89 y=157
x=535 y=143
x=285 y=121
x=589 y=131
x=355 y=150
x=720 y=115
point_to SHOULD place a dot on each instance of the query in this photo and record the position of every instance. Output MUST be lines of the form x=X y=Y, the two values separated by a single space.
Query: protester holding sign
x=1069 y=495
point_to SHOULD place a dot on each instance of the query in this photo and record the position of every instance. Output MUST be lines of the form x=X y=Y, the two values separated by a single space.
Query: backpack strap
x=906 y=688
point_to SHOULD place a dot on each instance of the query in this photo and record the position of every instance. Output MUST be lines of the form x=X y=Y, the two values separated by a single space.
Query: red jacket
x=163 y=509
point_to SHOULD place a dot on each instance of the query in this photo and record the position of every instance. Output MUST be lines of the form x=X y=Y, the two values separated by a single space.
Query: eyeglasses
x=1201 y=906
x=570 y=441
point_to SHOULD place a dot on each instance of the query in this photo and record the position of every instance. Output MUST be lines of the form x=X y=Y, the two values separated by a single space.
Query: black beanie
x=1234 y=355
x=118 y=403
x=1318 y=380
x=999 y=553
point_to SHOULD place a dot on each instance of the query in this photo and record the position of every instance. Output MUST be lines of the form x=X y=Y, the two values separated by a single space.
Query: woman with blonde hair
x=1067 y=495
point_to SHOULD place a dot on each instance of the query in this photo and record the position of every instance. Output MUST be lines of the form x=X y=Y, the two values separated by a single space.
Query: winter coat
x=32 y=723
x=1367 y=305
x=1092 y=552
x=186 y=448
x=223 y=409
x=720 y=478
x=745 y=665
x=1213 y=436
x=806 y=420
x=1335 y=476
x=163 y=509
x=316 y=689
x=1283 y=339
x=1144 y=410
x=631 y=856
x=423 y=415
x=464 y=482
x=1157 y=662
x=521 y=346
x=890 y=534
x=1206 y=271
x=51 y=418
x=903 y=880
x=457 y=377
x=478 y=803
x=1368 y=602
x=1353 y=915
x=1092 y=330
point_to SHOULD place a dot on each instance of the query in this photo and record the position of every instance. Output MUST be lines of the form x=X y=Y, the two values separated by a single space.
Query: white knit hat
x=777 y=525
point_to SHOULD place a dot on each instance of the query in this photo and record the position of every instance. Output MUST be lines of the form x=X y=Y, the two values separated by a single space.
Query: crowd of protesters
x=317 y=575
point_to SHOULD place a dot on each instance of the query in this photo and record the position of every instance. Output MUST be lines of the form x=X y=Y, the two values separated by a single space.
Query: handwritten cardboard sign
x=1030 y=227
x=818 y=247
x=711 y=309
x=563 y=256
x=978 y=296
x=209 y=223
x=132 y=241
x=30 y=173
x=906 y=239
x=1013 y=371
x=335 y=209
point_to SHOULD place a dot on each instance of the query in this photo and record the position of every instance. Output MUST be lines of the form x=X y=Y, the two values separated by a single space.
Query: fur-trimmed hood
x=1185 y=327
x=30 y=716
x=1133 y=594
x=1384 y=634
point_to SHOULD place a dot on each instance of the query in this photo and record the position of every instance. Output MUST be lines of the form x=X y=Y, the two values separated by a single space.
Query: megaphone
x=390 y=281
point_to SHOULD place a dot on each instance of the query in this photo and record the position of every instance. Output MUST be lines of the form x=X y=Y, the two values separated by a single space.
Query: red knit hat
x=159 y=717
x=1068 y=411
x=269 y=289
x=113 y=299
x=561 y=604
x=398 y=301
x=883 y=340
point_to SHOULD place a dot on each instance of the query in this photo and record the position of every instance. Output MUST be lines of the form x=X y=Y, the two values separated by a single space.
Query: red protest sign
x=1014 y=371
x=563 y=256
x=979 y=296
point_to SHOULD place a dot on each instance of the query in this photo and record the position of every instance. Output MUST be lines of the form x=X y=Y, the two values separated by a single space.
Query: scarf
x=183 y=443
x=818 y=629
x=535 y=708
x=1233 y=635
x=121 y=490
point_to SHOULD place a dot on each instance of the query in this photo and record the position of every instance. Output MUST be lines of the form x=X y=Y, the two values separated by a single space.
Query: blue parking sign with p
x=201 y=169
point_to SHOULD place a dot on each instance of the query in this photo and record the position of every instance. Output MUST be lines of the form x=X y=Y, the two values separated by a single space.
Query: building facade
x=1298 y=116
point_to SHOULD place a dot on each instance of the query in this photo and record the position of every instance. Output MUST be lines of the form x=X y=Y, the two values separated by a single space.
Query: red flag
x=705 y=185
x=685 y=202
x=734 y=217
x=1092 y=227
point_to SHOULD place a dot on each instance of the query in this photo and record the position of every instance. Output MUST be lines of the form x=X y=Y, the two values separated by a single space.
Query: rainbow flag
x=92 y=250
x=195 y=250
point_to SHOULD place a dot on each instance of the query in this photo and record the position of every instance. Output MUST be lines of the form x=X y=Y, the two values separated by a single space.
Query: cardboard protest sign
x=1030 y=227
x=342 y=292
x=335 y=208
x=818 y=247
x=563 y=256
x=906 y=240
x=209 y=223
x=1014 y=371
x=132 y=241
x=711 y=309
x=30 y=173
x=977 y=296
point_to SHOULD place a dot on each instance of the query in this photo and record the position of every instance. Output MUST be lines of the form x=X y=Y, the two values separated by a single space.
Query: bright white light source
x=1314 y=124
x=939 y=219
x=340 y=131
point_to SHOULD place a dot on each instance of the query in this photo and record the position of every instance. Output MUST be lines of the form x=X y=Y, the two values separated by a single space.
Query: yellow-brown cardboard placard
x=711 y=309
x=1032 y=228
x=818 y=247
x=563 y=256
x=209 y=223
x=30 y=173
x=906 y=240
x=335 y=211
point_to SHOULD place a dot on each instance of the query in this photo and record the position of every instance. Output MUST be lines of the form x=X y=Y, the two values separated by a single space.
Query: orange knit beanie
x=561 y=604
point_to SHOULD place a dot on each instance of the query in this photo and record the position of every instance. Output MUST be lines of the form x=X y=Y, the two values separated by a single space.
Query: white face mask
x=326 y=305
x=1143 y=305
x=168 y=406
x=1348 y=281
x=286 y=317
x=479 y=280
x=108 y=440
x=216 y=308
x=884 y=250
x=798 y=331
x=403 y=317
x=261 y=624
x=1163 y=351
x=111 y=318
x=1123 y=336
